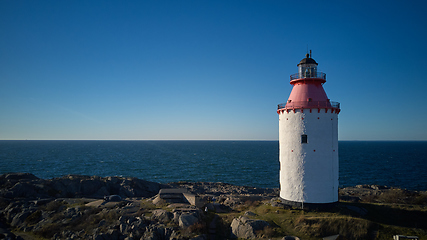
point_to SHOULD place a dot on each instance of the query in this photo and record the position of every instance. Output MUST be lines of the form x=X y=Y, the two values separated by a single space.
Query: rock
x=290 y=238
x=111 y=234
x=19 y=218
x=157 y=232
x=98 y=237
x=6 y=234
x=126 y=190
x=161 y=215
x=20 y=176
x=232 y=201
x=218 y=208
x=101 y=192
x=243 y=227
x=23 y=190
x=113 y=198
x=249 y=213
x=25 y=185
x=102 y=223
x=186 y=220
x=90 y=187
x=123 y=228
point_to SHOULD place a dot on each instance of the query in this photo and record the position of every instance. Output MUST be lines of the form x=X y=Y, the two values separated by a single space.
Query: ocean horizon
x=242 y=162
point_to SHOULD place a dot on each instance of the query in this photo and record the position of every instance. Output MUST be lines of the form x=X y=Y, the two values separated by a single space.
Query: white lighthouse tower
x=308 y=139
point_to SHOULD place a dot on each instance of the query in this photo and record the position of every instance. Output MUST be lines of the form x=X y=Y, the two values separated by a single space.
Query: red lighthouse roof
x=307 y=91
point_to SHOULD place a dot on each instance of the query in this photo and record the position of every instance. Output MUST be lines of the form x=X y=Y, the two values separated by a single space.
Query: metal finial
x=310 y=52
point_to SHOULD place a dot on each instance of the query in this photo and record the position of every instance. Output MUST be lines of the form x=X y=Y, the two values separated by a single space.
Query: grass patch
x=381 y=221
x=147 y=206
x=351 y=228
x=407 y=216
x=398 y=196
x=34 y=218
x=48 y=230
x=53 y=206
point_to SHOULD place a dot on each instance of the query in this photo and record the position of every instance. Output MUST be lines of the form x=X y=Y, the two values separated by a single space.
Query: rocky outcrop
x=162 y=215
x=90 y=207
x=381 y=194
x=61 y=220
x=110 y=208
x=25 y=185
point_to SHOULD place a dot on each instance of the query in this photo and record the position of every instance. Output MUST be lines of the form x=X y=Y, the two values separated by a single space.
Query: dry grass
x=399 y=196
x=351 y=228
x=53 y=206
x=88 y=220
x=267 y=232
x=34 y=218
x=195 y=229
x=311 y=225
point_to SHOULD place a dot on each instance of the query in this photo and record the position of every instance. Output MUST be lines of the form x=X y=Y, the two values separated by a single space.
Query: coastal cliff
x=107 y=208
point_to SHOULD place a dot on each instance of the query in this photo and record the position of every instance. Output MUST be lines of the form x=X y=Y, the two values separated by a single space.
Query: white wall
x=309 y=172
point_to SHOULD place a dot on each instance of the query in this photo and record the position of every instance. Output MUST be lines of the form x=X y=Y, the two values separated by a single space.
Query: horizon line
x=247 y=140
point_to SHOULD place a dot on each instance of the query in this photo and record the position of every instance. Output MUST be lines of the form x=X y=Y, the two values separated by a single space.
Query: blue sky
x=207 y=69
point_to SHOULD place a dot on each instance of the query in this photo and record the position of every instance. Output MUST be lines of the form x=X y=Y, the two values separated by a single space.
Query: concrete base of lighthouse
x=315 y=206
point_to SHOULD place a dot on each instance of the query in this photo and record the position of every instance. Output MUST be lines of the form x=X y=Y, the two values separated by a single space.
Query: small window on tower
x=304 y=138
x=309 y=99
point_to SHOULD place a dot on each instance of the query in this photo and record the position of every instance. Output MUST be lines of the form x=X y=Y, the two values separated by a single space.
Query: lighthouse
x=308 y=140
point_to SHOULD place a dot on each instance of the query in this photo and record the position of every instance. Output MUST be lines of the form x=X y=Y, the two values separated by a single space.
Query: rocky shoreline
x=107 y=208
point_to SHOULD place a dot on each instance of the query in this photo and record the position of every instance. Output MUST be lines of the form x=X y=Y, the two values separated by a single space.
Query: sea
x=247 y=163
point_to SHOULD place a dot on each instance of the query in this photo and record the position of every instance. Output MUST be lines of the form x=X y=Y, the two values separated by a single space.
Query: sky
x=206 y=70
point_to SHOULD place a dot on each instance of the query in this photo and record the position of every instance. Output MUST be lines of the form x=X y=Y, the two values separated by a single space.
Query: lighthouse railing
x=335 y=104
x=308 y=75
x=309 y=104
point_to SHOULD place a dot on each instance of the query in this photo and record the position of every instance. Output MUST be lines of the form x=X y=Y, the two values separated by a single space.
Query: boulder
x=244 y=227
x=161 y=215
x=157 y=232
x=249 y=213
x=187 y=219
x=232 y=201
x=218 y=208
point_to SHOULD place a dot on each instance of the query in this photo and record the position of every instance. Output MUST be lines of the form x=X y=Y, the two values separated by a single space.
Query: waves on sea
x=250 y=163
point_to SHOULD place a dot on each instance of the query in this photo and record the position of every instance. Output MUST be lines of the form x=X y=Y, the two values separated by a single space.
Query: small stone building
x=178 y=195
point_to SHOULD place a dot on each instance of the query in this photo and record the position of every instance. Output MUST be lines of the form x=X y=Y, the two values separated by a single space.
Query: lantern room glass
x=307 y=70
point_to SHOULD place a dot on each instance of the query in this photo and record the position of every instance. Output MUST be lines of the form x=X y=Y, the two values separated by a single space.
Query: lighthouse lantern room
x=308 y=140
